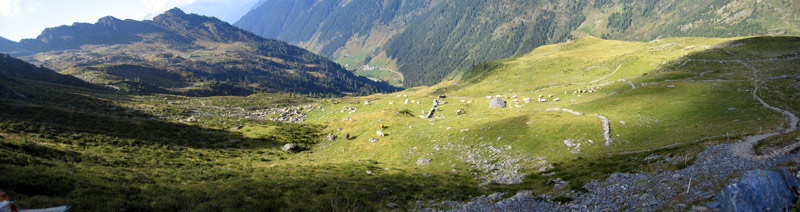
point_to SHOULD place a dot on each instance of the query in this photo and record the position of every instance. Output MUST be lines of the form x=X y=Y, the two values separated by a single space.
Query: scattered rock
x=373 y=140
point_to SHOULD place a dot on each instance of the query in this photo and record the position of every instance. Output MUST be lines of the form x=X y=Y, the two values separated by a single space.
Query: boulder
x=431 y=112
x=423 y=161
x=331 y=137
x=758 y=190
x=497 y=103
x=289 y=147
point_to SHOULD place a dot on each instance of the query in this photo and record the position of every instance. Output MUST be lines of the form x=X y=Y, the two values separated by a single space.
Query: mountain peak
x=107 y=21
x=174 y=11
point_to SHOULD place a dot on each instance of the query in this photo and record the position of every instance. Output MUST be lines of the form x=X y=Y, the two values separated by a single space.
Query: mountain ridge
x=201 y=55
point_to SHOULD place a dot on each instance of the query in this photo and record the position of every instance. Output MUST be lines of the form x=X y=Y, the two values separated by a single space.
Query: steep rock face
x=428 y=40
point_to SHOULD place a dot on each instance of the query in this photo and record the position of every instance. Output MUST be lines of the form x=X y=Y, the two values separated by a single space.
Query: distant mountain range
x=186 y=54
x=429 y=40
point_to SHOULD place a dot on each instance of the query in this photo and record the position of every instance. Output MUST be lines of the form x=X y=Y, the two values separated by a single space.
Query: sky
x=27 y=18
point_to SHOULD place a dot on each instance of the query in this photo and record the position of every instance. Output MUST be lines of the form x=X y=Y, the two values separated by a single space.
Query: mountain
x=12 y=47
x=189 y=54
x=427 y=41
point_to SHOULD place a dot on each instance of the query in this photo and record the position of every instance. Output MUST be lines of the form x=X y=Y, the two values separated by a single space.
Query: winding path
x=745 y=147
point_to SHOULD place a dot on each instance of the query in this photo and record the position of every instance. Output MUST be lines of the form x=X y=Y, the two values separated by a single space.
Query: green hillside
x=428 y=41
x=668 y=98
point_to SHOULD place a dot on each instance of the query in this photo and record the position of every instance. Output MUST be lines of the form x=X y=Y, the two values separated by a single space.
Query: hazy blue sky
x=27 y=18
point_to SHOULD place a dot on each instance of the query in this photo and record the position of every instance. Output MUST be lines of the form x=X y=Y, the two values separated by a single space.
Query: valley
x=590 y=124
x=404 y=105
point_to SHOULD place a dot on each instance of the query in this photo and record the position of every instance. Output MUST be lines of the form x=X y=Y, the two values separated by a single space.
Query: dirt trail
x=745 y=147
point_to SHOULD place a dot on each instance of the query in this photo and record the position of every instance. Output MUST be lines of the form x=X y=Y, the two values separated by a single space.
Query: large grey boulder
x=759 y=190
x=497 y=103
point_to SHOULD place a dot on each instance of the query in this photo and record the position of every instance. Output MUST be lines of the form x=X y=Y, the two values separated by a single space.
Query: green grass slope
x=100 y=151
x=665 y=97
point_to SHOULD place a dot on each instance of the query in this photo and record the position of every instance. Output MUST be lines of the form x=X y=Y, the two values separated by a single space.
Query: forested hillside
x=428 y=40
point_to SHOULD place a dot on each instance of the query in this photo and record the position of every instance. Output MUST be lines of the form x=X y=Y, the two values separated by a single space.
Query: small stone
x=676 y=175
x=680 y=206
x=373 y=140
x=369 y=172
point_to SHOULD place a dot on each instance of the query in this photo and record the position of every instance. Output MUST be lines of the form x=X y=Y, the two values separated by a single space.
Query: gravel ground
x=716 y=167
